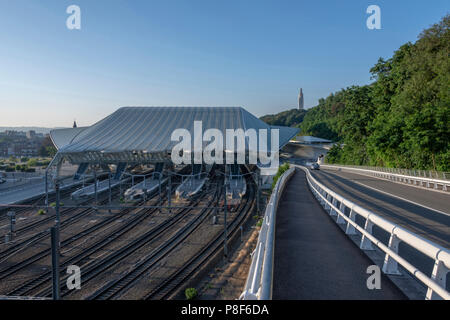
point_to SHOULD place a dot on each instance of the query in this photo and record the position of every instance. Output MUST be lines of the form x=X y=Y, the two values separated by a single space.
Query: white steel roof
x=63 y=137
x=143 y=134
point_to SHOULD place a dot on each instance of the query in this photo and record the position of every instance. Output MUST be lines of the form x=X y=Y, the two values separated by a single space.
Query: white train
x=149 y=186
x=193 y=183
x=236 y=186
x=102 y=186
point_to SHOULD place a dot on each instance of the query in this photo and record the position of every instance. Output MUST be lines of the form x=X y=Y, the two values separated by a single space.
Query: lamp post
x=225 y=231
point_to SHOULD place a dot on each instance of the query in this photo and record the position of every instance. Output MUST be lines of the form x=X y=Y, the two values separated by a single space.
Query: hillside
x=402 y=118
x=290 y=118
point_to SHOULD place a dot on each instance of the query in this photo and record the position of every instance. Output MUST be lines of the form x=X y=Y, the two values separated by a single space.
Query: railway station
x=123 y=178
x=140 y=225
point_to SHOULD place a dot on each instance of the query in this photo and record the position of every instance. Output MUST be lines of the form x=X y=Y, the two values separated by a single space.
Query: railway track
x=117 y=286
x=30 y=286
x=43 y=234
x=50 y=218
x=174 y=281
x=95 y=268
x=28 y=261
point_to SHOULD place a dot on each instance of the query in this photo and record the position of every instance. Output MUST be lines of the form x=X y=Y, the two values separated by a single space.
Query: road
x=424 y=212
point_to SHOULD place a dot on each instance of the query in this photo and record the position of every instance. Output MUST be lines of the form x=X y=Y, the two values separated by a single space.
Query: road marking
x=398 y=197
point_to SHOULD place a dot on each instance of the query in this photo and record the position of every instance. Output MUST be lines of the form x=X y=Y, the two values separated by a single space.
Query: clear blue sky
x=255 y=54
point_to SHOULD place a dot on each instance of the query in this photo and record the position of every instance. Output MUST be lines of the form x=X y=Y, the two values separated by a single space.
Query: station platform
x=30 y=191
x=314 y=259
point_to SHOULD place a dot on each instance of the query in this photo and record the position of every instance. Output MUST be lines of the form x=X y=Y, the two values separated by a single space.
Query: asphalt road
x=428 y=216
x=419 y=217
x=314 y=259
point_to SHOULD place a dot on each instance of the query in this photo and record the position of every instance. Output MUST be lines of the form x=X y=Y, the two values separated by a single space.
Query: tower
x=300 y=100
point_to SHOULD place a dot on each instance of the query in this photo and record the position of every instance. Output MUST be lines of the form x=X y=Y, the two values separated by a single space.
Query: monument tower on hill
x=300 y=100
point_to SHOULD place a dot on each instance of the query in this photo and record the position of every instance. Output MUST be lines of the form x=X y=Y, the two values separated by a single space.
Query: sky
x=254 y=54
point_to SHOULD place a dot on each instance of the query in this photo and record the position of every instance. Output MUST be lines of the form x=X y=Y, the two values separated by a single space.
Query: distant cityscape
x=24 y=143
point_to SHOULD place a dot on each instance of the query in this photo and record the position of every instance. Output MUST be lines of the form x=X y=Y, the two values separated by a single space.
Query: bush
x=259 y=223
x=30 y=170
x=282 y=169
x=21 y=168
x=190 y=293
x=53 y=204
x=10 y=169
x=32 y=162
x=41 y=212
x=23 y=159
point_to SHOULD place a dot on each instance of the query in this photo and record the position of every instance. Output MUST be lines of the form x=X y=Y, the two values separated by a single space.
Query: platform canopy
x=143 y=134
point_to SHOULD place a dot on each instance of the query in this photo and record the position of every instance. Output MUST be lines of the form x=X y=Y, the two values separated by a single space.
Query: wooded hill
x=401 y=119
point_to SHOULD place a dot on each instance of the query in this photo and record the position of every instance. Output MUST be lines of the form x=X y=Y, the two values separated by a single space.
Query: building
x=31 y=134
x=142 y=135
x=18 y=143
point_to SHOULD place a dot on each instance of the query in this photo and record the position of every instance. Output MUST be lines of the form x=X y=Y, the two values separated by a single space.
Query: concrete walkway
x=314 y=259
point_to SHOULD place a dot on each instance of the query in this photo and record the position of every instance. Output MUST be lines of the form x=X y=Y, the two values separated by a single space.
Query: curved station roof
x=143 y=134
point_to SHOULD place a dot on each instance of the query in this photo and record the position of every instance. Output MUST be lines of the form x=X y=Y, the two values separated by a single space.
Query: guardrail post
x=332 y=211
x=340 y=219
x=439 y=276
x=390 y=266
x=327 y=206
x=366 y=244
x=350 y=228
x=318 y=196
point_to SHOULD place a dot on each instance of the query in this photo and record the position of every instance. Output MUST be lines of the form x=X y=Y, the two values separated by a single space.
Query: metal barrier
x=398 y=177
x=259 y=279
x=407 y=172
x=436 y=284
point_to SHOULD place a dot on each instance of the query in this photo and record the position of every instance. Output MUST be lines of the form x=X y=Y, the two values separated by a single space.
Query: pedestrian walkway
x=314 y=259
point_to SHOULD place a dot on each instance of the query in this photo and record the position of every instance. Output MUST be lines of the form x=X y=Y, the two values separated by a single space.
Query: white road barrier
x=407 y=177
x=259 y=279
x=335 y=204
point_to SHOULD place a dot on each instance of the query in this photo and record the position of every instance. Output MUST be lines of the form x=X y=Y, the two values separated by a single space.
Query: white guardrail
x=436 y=284
x=259 y=280
x=398 y=177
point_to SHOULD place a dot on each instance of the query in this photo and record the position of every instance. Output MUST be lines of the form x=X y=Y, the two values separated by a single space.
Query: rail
x=401 y=175
x=335 y=204
x=259 y=280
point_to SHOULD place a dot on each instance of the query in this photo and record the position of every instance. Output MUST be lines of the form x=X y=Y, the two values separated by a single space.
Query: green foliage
x=32 y=162
x=22 y=168
x=53 y=204
x=41 y=212
x=281 y=169
x=402 y=118
x=190 y=293
x=259 y=223
x=290 y=118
